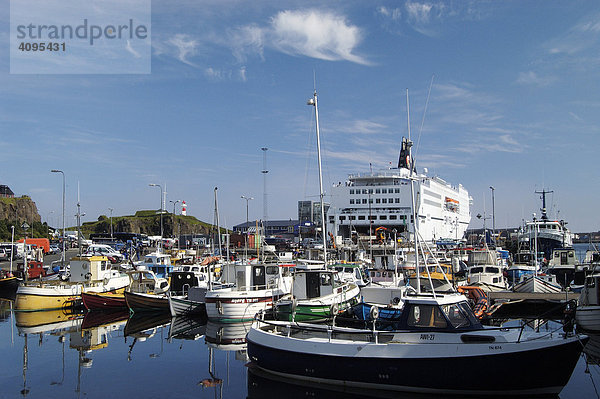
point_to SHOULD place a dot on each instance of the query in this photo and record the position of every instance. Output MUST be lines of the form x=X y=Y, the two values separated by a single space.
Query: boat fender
x=105 y=280
x=334 y=309
x=88 y=276
x=374 y=312
x=396 y=300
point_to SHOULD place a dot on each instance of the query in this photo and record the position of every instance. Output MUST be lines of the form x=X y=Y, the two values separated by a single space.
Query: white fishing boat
x=563 y=264
x=538 y=283
x=256 y=286
x=317 y=295
x=545 y=233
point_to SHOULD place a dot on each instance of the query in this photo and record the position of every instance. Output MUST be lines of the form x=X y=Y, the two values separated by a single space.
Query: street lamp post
x=161 y=212
x=111 y=229
x=493 y=213
x=62 y=256
x=247 y=221
x=12 y=247
x=174 y=203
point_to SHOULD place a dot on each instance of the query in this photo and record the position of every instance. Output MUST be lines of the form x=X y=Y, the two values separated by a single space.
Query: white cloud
x=247 y=40
x=316 y=34
x=395 y=13
x=185 y=46
x=532 y=78
x=310 y=33
x=242 y=74
x=131 y=50
x=419 y=13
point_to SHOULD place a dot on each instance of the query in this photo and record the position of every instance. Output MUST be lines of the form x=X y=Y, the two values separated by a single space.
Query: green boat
x=317 y=295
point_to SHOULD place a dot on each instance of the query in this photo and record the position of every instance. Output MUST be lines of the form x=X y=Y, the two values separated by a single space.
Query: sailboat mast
x=412 y=194
x=313 y=102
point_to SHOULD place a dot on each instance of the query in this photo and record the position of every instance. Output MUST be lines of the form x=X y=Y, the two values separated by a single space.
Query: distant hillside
x=148 y=222
x=16 y=211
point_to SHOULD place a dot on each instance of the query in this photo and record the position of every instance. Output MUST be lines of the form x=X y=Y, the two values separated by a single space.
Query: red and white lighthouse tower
x=183 y=209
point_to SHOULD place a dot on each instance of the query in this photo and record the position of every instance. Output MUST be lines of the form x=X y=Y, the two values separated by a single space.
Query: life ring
x=374 y=312
x=334 y=309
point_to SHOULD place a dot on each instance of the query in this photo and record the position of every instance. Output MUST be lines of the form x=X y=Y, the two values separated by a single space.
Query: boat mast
x=412 y=194
x=313 y=102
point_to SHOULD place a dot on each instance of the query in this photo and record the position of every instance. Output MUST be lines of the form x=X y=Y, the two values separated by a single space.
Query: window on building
x=373 y=217
x=352 y=217
x=351 y=200
x=377 y=201
x=364 y=201
x=384 y=200
x=352 y=191
x=384 y=191
x=377 y=191
x=370 y=200
x=397 y=200
x=361 y=218
x=393 y=217
x=383 y=217
x=342 y=217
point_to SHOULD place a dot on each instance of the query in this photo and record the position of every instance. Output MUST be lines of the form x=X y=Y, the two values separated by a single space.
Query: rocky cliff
x=19 y=210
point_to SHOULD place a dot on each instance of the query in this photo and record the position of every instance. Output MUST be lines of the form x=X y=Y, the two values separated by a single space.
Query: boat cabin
x=309 y=284
x=254 y=276
x=562 y=257
x=353 y=273
x=146 y=281
x=188 y=276
x=440 y=313
x=159 y=263
x=89 y=268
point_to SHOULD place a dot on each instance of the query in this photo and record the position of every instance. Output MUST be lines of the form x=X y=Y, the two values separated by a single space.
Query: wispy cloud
x=131 y=50
x=532 y=78
x=429 y=18
x=185 y=46
x=362 y=126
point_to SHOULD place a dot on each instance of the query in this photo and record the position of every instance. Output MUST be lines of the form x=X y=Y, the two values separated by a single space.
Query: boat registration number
x=428 y=337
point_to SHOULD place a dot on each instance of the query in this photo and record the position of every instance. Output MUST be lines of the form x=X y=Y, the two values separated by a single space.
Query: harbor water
x=98 y=355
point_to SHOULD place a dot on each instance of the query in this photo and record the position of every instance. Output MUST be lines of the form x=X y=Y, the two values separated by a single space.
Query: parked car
x=55 y=249
x=105 y=250
x=3 y=255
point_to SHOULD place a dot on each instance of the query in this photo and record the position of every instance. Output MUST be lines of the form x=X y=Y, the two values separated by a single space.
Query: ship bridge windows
x=351 y=191
x=351 y=201
x=393 y=217
x=377 y=201
x=361 y=218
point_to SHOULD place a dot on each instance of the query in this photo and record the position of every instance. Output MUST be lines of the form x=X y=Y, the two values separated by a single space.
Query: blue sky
x=514 y=104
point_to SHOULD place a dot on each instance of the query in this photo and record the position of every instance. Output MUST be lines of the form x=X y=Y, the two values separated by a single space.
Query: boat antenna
x=543 y=208
x=313 y=102
x=423 y=119
x=412 y=194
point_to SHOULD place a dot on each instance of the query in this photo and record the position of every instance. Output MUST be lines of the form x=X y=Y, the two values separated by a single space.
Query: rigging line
x=423 y=119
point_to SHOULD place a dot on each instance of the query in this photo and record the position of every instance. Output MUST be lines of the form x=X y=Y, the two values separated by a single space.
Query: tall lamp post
x=62 y=256
x=248 y=199
x=111 y=229
x=12 y=247
x=493 y=213
x=161 y=212
x=175 y=203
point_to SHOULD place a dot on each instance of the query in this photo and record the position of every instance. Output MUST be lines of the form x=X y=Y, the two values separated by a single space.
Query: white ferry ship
x=382 y=198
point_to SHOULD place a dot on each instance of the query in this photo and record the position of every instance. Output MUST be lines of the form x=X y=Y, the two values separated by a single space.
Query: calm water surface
x=105 y=355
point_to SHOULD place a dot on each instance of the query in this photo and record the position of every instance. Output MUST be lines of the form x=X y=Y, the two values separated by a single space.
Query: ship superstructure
x=382 y=198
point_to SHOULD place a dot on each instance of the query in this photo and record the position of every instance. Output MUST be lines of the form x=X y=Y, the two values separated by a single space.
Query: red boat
x=103 y=301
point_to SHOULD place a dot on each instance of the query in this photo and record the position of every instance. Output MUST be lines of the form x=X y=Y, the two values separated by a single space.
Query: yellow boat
x=88 y=274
